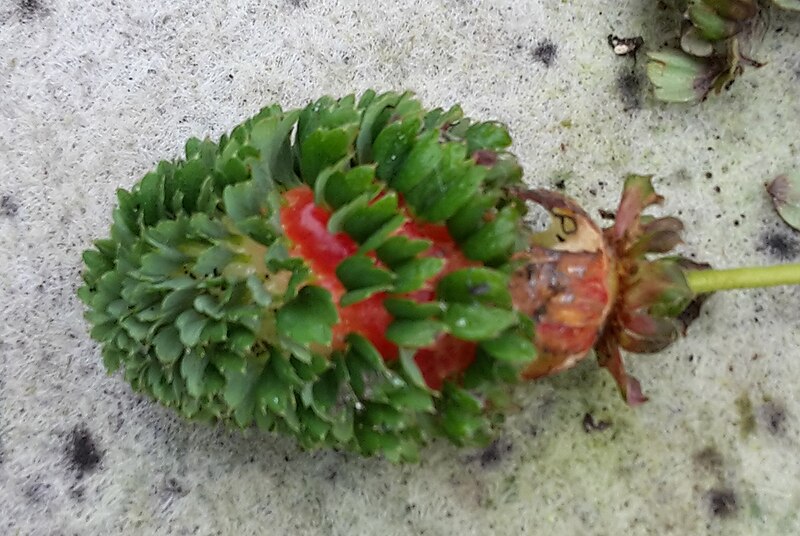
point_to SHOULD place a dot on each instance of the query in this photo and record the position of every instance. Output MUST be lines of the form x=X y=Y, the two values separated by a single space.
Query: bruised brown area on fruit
x=567 y=296
x=587 y=288
x=564 y=284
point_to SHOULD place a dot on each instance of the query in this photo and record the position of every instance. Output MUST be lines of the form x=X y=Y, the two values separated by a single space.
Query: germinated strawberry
x=356 y=274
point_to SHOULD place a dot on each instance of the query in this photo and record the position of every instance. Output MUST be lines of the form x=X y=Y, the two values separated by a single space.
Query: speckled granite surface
x=93 y=93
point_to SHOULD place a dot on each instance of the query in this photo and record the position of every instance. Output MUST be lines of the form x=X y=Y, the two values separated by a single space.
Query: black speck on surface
x=590 y=425
x=780 y=245
x=691 y=312
x=174 y=487
x=629 y=87
x=31 y=9
x=774 y=417
x=561 y=185
x=545 y=52
x=77 y=492
x=37 y=492
x=82 y=452
x=8 y=207
x=722 y=502
x=607 y=214
x=494 y=453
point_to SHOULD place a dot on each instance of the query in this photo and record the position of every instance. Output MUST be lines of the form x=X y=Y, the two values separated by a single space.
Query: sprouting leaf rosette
x=357 y=274
x=717 y=40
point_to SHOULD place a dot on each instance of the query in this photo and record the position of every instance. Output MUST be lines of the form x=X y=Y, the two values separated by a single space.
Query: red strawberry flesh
x=305 y=224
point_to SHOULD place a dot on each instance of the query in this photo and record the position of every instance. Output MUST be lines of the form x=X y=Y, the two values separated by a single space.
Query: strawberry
x=356 y=274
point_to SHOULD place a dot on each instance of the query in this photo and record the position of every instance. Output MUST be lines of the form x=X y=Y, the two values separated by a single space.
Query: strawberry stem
x=705 y=281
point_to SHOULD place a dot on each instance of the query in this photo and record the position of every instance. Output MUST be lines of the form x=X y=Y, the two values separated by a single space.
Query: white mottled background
x=93 y=93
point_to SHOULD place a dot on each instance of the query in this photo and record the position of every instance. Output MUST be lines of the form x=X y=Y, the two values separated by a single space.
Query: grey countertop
x=93 y=93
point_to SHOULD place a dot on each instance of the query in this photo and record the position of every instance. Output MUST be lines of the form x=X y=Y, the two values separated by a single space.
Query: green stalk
x=704 y=281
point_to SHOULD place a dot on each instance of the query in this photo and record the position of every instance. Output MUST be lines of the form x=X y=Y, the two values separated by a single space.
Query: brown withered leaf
x=785 y=193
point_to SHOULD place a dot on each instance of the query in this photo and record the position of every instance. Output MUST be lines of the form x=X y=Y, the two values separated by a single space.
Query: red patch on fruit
x=306 y=226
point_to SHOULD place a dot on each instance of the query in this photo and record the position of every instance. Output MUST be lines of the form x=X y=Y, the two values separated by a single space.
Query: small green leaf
x=399 y=249
x=410 y=368
x=421 y=161
x=385 y=417
x=355 y=296
x=412 y=310
x=193 y=368
x=471 y=285
x=135 y=328
x=151 y=196
x=438 y=118
x=315 y=429
x=97 y=262
x=413 y=274
x=260 y=295
x=488 y=135
x=214 y=332
x=209 y=306
x=495 y=240
x=168 y=345
x=392 y=145
x=241 y=339
x=241 y=376
x=273 y=394
x=341 y=188
x=283 y=369
x=323 y=148
x=359 y=271
x=157 y=265
x=477 y=322
x=511 y=348
x=309 y=317
x=413 y=399
x=325 y=392
x=258 y=228
x=112 y=359
x=371 y=125
x=414 y=333
x=212 y=261
x=457 y=190
x=382 y=234
x=241 y=201
x=190 y=178
x=338 y=218
x=365 y=221
x=365 y=348
x=190 y=325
